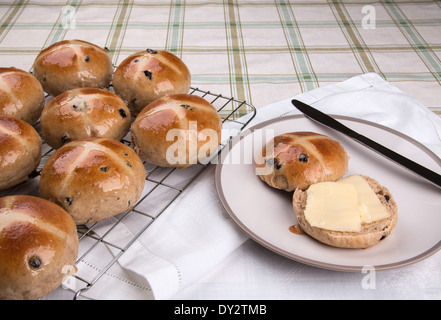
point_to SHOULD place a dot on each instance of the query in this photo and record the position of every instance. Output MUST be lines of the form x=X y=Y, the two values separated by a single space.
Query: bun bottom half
x=370 y=234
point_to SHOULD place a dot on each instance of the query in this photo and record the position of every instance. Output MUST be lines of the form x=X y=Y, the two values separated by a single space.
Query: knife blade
x=330 y=122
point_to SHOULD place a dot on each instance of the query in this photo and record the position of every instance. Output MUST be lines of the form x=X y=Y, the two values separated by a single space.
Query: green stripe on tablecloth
x=59 y=30
x=252 y=50
x=360 y=49
x=175 y=30
x=415 y=39
x=302 y=65
x=236 y=53
x=8 y=20
x=287 y=78
x=219 y=25
x=118 y=29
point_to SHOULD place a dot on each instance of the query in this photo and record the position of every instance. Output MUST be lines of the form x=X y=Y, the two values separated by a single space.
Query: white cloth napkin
x=195 y=235
x=371 y=98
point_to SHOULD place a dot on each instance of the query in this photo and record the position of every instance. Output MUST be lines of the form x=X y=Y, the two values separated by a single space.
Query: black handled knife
x=328 y=121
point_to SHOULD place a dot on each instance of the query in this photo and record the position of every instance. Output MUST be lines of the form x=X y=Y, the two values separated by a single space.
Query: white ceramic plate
x=266 y=214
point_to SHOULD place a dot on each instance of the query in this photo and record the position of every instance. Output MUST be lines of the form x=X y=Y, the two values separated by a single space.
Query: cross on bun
x=38 y=247
x=93 y=179
x=84 y=113
x=149 y=75
x=177 y=131
x=299 y=159
x=20 y=151
x=71 y=64
x=21 y=95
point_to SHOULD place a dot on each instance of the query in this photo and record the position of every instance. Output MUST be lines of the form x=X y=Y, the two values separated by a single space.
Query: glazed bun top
x=21 y=95
x=299 y=159
x=93 y=179
x=177 y=131
x=38 y=240
x=149 y=75
x=71 y=64
x=20 y=151
x=84 y=113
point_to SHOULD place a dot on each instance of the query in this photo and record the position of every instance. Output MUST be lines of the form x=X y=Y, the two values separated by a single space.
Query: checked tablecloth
x=260 y=51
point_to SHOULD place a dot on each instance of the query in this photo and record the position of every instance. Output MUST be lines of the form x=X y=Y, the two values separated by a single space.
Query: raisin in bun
x=84 y=113
x=93 y=179
x=299 y=159
x=71 y=64
x=38 y=247
x=371 y=231
x=20 y=151
x=177 y=131
x=148 y=75
x=21 y=95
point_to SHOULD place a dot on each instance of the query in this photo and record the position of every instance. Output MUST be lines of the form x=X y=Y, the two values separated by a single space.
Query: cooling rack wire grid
x=162 y=187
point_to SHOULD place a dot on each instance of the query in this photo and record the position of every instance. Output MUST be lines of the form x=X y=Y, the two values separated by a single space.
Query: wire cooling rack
x=162 y=187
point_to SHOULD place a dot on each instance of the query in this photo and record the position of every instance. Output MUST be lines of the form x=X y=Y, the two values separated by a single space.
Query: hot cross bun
x=299 y=159
x=21 y=95
x=20 y=151
x=38 y=247
x=177 y=131
x=149 y=75
x=71 y=64
x=84 y=113
x=93 y=179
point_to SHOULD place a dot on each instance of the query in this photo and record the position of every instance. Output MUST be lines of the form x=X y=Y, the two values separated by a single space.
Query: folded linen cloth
x=371 y=98
x=194 y=235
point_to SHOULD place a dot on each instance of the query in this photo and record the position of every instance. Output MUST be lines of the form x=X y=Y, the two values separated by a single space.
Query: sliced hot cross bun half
x=299 y=159
x=149 y=75
x=177 y=131
x=71 y=64
x=93 y=179
x=84 y=113
x=38 y=247
x=356 y=212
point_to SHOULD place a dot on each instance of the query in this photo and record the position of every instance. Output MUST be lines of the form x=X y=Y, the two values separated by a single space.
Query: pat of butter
x=371 y=207
x=333 y=206
x=344 y=205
